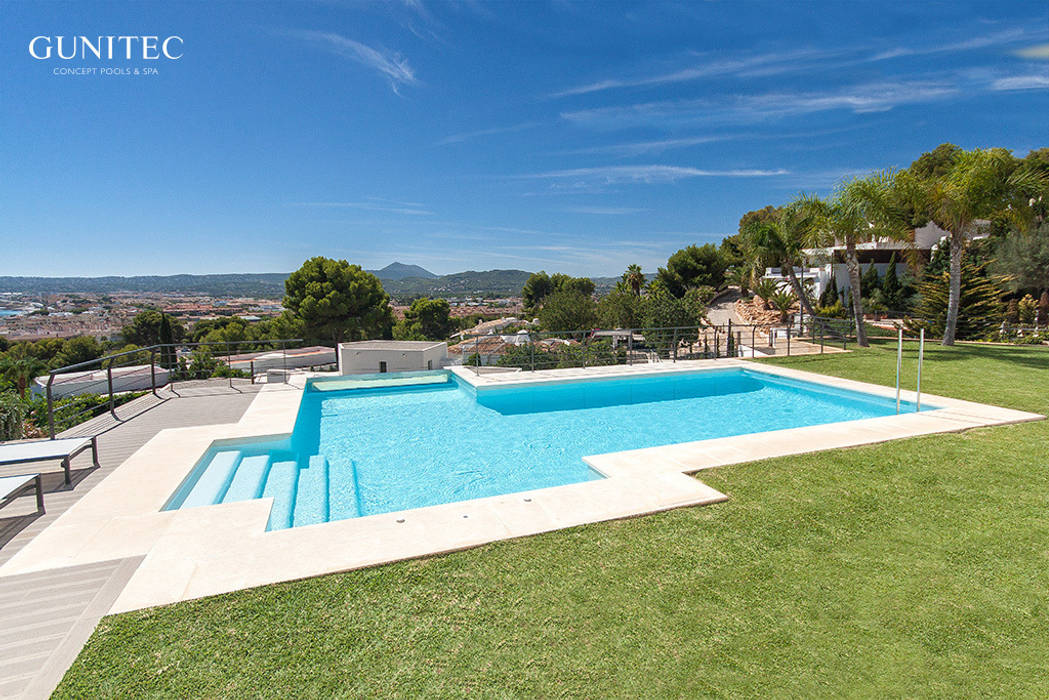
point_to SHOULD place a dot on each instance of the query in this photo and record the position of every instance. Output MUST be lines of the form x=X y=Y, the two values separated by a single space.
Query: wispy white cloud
x=605 y=211
x=871 y=97
x=1041 y=51
x=406 y=208
x=803 y=61
x=1022 y=82
x=780 y=60
x=1007 y=36
x=415 y=6
x=638 y=148
x=390 y=65
x=416 y=205
x=613 y=174
x=471 y=135
x=824 y=179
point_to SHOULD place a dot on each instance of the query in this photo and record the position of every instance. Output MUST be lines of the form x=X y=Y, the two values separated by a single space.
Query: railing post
x=788 y=340
x=731 y=340
x=251 y=368
x=153 y=371
x=921 y=358
x=899 y=365
x=531 y=349
x=630 y=346
x=109 y=381
x=50 y=408
x=753 y=341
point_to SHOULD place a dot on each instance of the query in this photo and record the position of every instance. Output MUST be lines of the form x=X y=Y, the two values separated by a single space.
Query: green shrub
x=12 y=412
x=73 y=410
x=1027 y=308
x=1012 y=311
x=833 y=310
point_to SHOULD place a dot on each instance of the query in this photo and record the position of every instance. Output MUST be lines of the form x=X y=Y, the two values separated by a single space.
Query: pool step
x=280 y=485
x=248 y=480
x=212 y=484
x=311 y=501
x=345 y=500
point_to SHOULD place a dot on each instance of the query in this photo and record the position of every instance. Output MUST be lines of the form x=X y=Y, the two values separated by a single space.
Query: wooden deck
x=46 y=617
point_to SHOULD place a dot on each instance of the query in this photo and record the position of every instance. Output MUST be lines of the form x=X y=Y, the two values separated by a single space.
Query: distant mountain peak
x=400 y=271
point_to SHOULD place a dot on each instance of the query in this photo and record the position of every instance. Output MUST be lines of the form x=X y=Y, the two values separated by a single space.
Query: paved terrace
x=46 y=617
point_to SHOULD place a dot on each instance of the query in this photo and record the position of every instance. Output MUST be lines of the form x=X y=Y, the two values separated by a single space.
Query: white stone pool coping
x=216 y=549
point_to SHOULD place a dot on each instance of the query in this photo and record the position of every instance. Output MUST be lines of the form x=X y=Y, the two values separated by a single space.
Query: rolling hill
x=398 y=279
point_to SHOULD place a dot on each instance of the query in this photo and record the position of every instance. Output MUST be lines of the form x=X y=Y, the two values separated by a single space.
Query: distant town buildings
x=35 y=317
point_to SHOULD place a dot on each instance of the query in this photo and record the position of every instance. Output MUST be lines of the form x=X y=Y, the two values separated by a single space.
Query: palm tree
x=634 y=278
x=781 y=240
x=20 y=370
x=747 y=273
x=861 y=210
x=982 y=184
x=765 y=288
x=783 y=301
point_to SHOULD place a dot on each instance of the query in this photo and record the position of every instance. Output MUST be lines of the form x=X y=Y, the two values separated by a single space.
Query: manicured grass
x=918 y=567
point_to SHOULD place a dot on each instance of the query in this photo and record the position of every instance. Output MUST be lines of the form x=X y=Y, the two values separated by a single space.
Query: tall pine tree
x=891 y=288
x=166 y=336
x=830 y=293
x=870 y=281
x=981 y=307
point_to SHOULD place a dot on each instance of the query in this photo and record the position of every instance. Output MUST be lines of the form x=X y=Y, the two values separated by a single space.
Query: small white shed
x=371 y=356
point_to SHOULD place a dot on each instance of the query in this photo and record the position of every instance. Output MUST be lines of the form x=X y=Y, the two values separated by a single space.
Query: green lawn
x=918 y=567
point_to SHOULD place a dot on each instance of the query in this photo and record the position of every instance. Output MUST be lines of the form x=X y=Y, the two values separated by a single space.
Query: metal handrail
x=106 y=362
x=701 y=340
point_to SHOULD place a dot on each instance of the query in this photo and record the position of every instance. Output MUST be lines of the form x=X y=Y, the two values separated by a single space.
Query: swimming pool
x=364 y=446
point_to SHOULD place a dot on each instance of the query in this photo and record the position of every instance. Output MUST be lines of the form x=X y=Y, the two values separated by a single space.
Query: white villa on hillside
x=878 y=252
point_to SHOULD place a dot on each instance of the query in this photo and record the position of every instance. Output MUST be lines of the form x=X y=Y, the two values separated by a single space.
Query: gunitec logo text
x=107 y=48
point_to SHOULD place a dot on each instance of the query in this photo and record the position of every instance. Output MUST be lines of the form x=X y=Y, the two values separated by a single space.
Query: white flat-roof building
x=371 y=356
x=134 y=378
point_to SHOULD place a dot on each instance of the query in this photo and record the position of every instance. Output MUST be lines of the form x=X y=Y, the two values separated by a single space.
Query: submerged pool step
x=280 y=485
x=249 y=479
x=212 y=484
x=344 y=498
x=311 y=500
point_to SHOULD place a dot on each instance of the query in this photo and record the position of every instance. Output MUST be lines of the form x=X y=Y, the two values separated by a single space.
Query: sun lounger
x=11 y=486
x=39 y=450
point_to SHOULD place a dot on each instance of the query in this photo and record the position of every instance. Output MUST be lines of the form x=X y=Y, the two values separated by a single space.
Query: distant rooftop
x=391 y=344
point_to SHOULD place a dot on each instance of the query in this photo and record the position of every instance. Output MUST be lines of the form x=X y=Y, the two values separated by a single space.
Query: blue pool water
x=378 y=449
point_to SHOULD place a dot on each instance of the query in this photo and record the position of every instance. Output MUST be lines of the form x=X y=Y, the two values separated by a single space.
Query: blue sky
x=575 y=137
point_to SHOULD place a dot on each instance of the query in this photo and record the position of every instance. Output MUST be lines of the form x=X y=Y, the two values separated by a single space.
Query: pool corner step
x=212 y=484
x=248 y=480
x=311 y=501
x=281 y=484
